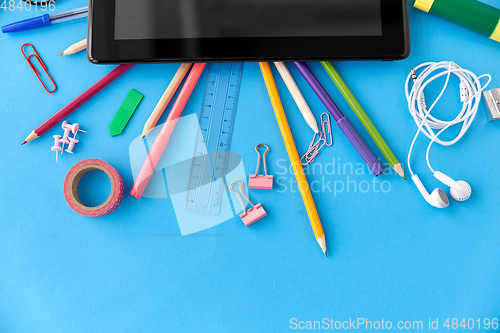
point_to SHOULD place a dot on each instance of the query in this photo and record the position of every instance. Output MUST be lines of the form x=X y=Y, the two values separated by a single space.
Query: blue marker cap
x=35 y=22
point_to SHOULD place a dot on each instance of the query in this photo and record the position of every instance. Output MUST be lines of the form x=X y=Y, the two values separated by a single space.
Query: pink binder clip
x=252 y=215
x=261 y=182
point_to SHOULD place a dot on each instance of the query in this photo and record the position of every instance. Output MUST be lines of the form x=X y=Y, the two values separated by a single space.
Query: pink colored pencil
x=77 y=102
x=163 y=137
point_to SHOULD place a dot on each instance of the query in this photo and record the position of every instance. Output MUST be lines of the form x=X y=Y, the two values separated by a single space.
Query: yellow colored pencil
x=294 y=155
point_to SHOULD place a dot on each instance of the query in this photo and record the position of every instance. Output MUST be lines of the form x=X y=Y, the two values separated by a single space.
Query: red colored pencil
x=77 y=102
x=163 y=137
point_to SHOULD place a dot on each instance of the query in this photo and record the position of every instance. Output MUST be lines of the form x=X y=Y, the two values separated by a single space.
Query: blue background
x=391 y=255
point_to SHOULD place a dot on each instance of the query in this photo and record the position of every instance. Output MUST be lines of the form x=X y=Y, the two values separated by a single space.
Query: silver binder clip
x=492 y=98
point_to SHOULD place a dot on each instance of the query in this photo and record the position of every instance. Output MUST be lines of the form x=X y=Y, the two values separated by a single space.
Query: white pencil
x=165 y=99
x=297 y=96
x=75 y=48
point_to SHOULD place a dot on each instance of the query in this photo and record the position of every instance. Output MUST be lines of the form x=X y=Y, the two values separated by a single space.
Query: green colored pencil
x=363 y=117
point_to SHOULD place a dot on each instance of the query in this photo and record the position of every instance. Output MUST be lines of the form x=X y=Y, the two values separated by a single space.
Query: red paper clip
x=37 y=56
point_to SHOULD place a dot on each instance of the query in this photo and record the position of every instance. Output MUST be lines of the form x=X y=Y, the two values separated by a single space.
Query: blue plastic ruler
x=206 y=180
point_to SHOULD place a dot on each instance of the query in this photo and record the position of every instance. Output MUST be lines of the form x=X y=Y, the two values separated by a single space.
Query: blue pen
x=46 y=20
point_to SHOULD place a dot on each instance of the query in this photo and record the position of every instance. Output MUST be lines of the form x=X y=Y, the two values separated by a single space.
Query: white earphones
x=469 y=82
x=460 y=190
x=437 y=198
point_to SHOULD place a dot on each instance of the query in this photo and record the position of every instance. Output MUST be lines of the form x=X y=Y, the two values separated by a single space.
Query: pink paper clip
x=261 y=182
x=325 y=139
x=252 y=215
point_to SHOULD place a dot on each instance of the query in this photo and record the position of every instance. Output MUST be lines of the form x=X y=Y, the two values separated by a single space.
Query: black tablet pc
x=141 y=31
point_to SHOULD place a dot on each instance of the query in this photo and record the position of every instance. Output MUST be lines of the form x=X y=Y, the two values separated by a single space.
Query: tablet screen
x=170 y=19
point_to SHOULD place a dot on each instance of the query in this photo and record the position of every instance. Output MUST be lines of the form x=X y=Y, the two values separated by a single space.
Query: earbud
x=460 y=190
x=437 y=198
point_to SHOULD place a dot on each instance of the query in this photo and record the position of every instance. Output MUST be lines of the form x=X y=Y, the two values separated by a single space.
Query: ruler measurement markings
x=203 y=197
x=216 y=122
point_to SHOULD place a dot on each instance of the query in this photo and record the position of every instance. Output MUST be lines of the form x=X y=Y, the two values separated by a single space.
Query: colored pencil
x=293 y=155
x=75 y=48
x=77 y=102
x=342 y=122
x=163 y=137
x=297 y=96
x=364 y=118
x=165 y=99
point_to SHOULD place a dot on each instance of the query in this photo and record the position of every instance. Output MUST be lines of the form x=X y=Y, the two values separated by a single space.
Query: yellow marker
x=496 y=33
x=472 y=14
x=294 y=155
x=424 y=5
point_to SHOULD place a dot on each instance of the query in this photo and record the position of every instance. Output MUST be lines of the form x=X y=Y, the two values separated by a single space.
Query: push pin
x=57 y=148
x=75 y=128
x=261 y=182
x=252 y=215
x=65 y=138
x=72 y=144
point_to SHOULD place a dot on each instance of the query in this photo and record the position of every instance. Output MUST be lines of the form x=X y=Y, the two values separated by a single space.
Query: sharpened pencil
x=162 y=139
x=294 y=156
x=75 y=48
x=165 y=99
x=77 y=102
x=364 y=118
x=297 y=96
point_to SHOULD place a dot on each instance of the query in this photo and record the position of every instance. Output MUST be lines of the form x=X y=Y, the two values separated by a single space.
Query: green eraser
x=125 y=112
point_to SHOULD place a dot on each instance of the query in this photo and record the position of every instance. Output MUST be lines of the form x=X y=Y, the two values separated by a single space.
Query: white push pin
x=57 y=148
x=75 y=128
x=72 y=144
x=65 y=138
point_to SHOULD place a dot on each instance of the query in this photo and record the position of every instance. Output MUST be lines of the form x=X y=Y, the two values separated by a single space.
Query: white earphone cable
x=471 y=89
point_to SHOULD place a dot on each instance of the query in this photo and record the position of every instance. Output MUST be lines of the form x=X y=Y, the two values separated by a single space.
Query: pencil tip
x=142 y=137
x=61 y=54
x=399 y=170
x=326 y=254
x=22 y=144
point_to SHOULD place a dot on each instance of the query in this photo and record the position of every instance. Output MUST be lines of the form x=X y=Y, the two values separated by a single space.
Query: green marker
x=125 y=112
x=471 y=14
x=363 y=117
